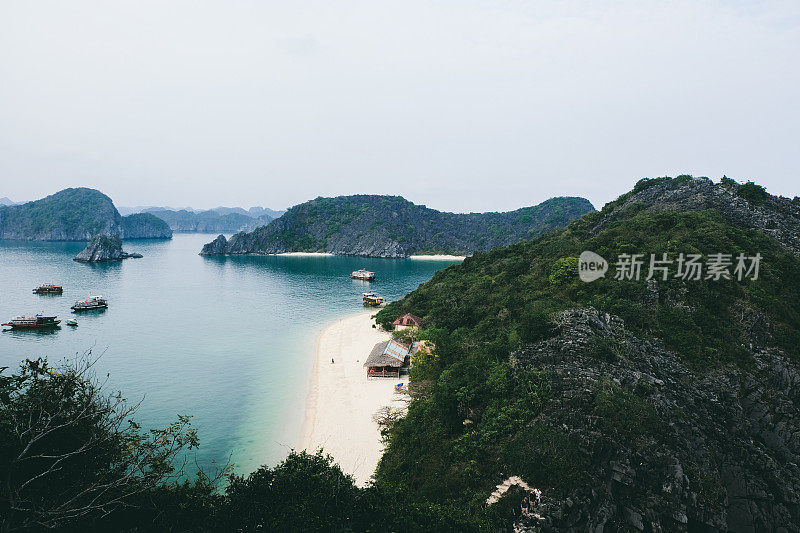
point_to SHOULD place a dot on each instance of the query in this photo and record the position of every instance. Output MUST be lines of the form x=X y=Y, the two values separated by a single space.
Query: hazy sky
x=461 y=105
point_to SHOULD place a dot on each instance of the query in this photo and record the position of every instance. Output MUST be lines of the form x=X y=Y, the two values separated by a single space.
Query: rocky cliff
x=390 y=226
x=715 y=451
x=74 y=215
x=635 y=404
x=103 y=248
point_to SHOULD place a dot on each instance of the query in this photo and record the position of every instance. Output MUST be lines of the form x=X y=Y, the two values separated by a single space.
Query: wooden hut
x=386 y=359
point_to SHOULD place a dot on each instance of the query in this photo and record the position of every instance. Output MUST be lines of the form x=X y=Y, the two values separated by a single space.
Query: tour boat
x=94 y=302
x=373 y=300
x=363 y=274
x=27 y=322
x=49 y=289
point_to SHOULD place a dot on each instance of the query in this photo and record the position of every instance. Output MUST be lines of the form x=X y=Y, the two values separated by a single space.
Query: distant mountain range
x=391 y=226
x=218 y=219
x=6 y=201
x=76 y=215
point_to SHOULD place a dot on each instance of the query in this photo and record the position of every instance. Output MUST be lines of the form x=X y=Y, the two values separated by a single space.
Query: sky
x=460 y=105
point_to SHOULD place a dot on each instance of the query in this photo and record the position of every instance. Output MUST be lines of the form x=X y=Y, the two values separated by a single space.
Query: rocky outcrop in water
x=103 y=248
x=215 y=247
x=391 y=227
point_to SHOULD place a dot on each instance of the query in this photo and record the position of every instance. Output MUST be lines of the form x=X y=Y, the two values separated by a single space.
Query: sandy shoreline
x=305 y=254
x=342 y=401
x=438 y=257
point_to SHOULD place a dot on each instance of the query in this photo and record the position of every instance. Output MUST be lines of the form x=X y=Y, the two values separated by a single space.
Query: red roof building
x=408 y=320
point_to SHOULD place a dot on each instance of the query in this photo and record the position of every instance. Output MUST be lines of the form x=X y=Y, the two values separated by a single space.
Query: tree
x=70 y=453
x=305 y=492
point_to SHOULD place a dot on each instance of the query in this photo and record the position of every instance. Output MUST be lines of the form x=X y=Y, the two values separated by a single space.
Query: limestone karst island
x=410 y=267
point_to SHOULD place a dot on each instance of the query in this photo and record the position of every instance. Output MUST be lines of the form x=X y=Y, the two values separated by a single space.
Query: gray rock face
x=777 y=216
x=103 y=248
x=724 y=456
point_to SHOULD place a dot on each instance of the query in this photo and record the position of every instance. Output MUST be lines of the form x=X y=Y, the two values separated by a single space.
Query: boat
x=31 y=322
x=71 y=322
x=49 y=289
x=373 y=300
x=363 y=274
x=93 y=302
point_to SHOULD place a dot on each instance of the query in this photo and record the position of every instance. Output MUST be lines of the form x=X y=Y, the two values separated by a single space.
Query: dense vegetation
x=73 y=459
x=391 y=226
x=75 y=215
x=71 y=214
x=475 y=413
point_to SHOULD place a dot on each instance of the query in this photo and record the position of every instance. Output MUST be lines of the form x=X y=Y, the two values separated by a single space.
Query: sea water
x=227 y=340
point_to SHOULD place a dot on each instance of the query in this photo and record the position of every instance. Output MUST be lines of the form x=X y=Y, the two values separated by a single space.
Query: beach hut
x=407 y=321
x=386 y=359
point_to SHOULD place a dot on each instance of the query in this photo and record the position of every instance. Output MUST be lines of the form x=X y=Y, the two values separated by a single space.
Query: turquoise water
x=228 y=340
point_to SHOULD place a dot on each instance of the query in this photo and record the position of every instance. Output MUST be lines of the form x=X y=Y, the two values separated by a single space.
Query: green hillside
x=594 y=392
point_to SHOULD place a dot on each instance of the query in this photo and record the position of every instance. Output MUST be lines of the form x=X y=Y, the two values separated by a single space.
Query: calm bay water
x=227 y=340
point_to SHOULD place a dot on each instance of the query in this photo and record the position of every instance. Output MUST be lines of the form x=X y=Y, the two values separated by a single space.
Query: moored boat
x=373 y=300
x=363 y=274
x=31 y=322
x=49 y=288
x=93 y=302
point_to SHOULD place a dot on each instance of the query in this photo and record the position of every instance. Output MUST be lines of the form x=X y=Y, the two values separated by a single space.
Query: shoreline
x=341 y=400
x=303 y=254
x=438 y=257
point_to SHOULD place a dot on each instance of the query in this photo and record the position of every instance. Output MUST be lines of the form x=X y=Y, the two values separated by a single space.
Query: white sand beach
x=342 y=401
x=438 y=257
x=305 y=254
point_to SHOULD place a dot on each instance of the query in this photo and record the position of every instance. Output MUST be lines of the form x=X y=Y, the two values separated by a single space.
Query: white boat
x=363 y=274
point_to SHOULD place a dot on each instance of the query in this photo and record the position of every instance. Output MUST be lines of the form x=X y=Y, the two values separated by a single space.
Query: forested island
x=391 y=226
x=76 y=214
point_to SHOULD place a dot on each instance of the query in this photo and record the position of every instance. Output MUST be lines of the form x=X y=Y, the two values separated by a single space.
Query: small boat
x=49 y=289
x=32 y=322
x=363 y=274
x=71 y=322
x=373 y=300
x=93 y=302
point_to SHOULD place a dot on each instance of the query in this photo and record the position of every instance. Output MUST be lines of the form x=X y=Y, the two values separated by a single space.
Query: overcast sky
x=459 y=105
